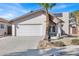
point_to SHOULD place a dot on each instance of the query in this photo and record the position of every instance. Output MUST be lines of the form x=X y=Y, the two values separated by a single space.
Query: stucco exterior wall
x=40 y=18
x=66 y=22
x=34 y=20
x=2 y=31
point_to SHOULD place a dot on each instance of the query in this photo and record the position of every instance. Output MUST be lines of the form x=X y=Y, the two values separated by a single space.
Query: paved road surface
x=26 y=46
x=15 y=44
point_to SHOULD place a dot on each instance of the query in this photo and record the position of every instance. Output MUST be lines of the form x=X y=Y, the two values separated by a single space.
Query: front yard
x=66 y=41
x=28 y=46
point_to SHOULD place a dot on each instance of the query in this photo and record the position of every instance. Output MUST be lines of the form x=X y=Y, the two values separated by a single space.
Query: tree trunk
x=47 y=25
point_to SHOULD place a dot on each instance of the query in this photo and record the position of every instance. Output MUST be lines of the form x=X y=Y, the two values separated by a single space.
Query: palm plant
x=46 y=7
x=76 y=13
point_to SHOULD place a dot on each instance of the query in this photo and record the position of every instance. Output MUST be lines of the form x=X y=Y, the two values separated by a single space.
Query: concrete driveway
x=15 y=44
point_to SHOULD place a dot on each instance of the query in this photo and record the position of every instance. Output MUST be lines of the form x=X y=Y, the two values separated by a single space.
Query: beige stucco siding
x=66 y=22
x=2 y=31
x=35 y=22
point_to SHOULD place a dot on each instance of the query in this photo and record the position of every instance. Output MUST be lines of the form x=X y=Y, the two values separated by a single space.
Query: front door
x=74 y=30
x=53 y=30
x=9 y=30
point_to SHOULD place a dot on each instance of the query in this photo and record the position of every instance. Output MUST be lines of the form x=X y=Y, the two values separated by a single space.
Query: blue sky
x=13 y=10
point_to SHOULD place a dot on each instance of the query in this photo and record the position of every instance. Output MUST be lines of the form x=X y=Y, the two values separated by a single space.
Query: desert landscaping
x=59 y=42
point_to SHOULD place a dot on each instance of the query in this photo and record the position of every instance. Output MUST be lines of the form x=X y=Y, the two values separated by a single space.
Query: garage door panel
x=29 y=30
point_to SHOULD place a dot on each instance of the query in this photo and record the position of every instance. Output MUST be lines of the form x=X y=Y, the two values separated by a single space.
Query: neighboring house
x=4 y=27
x=73 y=25
x=33 y=24
x=69 y=22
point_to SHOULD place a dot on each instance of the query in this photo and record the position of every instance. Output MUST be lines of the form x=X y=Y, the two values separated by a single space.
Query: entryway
x=9 y=30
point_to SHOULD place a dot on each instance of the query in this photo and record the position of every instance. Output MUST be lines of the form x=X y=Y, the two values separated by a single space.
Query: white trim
x=13 y=30
x=59 y=30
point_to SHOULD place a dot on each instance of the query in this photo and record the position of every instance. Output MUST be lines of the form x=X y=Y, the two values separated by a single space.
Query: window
x=53 y=29
x=2 y=26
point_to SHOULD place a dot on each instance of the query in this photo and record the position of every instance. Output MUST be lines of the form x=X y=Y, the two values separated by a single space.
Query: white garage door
x=29 y=30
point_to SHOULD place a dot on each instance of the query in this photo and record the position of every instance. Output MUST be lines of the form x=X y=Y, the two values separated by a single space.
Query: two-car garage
x=32 y=24
x=29 y=30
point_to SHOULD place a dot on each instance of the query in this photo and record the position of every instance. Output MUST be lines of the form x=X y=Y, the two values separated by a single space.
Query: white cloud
x=8 y=16
x=60 y=6
x=63 y=6
x=10 y=11
x=1 y=9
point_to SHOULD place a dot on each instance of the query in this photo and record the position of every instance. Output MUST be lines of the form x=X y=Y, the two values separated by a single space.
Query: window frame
x=53 y=29
x=1 y=26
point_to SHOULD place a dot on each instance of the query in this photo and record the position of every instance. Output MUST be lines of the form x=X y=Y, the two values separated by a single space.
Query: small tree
x=76 y=13
x=47 y=6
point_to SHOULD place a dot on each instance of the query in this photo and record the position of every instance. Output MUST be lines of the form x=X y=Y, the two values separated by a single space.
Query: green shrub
x=75 y=42
x=59 y=44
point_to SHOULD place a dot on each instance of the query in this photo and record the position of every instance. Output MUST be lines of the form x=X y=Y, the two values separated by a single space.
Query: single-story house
x=33 y=24
x=5 y=27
